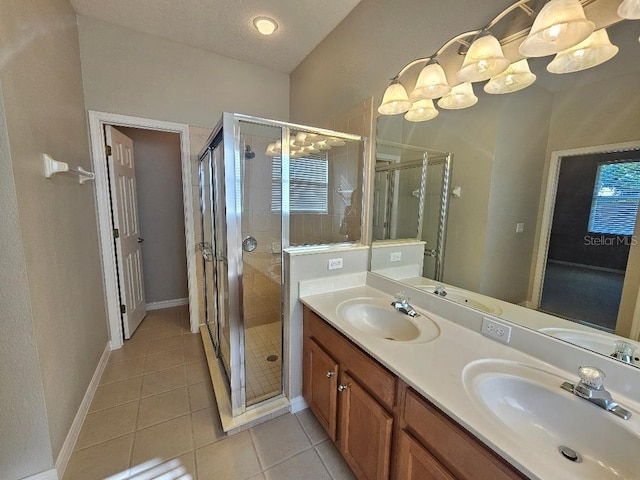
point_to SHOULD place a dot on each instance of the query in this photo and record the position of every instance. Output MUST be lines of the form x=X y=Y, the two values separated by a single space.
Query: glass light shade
x=630 y=9
x=421 y=111
x=593 y=51
x=514 y=78
x=561 y=24
x=313 y=138
x=432 y=83
x=271 y=150
x=322 y=145
x=336 y=142
x=395 y=100
x=483 y=60
x=310 y=149
x=461 y=96
x=301 y=139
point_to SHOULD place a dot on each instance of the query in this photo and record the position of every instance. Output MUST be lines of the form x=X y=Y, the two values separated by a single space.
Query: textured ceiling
x=225 y=26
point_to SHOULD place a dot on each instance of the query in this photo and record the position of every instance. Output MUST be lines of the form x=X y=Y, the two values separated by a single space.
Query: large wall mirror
x=542 y=229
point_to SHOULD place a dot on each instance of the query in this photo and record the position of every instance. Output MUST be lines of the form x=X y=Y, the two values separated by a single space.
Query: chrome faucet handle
x=401 y=297
x=623 y=351
x=592 y=377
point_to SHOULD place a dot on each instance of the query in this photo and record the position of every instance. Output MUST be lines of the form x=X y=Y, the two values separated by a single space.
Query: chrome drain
x=272 y=358
x=570 y=454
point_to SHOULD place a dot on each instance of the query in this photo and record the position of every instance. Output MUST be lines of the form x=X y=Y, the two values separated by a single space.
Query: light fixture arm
x=473 y=34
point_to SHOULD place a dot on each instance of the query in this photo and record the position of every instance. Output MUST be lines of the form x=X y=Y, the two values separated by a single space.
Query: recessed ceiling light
x=265 y=25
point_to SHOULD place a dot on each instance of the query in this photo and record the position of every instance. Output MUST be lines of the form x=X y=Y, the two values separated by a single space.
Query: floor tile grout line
x=324 y=463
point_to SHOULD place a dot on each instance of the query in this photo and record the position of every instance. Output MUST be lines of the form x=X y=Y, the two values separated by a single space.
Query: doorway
x=590 y=225
x=97 y=122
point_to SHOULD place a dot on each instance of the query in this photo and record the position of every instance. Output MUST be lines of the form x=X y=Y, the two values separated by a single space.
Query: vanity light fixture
x=593 y=51
x=336 y=142
x=514 y=78
x=265 y=25
x=630 y=9
x=560 y=24
x=461 y=96
x=432 y=83
x=395 y=99
x=421 y=111
x=483 y=60
x=561 y=27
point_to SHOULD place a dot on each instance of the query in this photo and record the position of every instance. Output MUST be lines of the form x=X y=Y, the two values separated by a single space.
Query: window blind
x=616 y=196
x=308 y=184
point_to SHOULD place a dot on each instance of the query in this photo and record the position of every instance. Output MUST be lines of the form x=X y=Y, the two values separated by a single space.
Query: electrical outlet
x=496 y=330
x=519 y=227
x=395 y=256
x=334 y=263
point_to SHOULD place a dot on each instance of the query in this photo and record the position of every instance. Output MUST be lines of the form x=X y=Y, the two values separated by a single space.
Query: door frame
x=548 y=210
x=97 y=121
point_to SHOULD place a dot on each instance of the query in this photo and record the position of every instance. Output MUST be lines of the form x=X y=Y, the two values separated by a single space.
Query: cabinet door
x=365 y=431
x=320 y=385
x=416 y=463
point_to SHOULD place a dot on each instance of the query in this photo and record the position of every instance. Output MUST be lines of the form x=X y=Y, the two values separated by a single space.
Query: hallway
x=155 y=402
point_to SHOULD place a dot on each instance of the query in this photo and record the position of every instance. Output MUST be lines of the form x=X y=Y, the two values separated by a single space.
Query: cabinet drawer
x=416 y=463
x=459 y=451
x=376 y=379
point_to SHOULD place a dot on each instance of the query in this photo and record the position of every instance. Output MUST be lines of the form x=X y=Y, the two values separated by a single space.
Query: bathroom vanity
x=431 y=398
x=379 y=423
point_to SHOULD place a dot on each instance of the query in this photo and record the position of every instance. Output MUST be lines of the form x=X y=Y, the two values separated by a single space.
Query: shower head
x=248 y=153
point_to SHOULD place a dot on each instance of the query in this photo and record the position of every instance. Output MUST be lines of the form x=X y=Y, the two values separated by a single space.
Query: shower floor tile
x=263 y=377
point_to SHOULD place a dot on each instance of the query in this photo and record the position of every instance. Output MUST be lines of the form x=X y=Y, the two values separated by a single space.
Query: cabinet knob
x=342 y=388
x=330 y=374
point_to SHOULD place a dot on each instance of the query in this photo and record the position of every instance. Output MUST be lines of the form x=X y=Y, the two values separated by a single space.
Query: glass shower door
x=207 y=248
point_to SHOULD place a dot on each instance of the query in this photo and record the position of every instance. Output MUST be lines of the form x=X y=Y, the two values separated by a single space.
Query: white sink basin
x=598 y=342
x=466 y=298
x=378 y=318
x=531 y=409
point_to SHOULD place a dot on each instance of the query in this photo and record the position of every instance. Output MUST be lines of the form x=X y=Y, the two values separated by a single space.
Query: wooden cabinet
x=321 y=385
x=416 y=463
x=381 y=426
x=335 y=370
x=365 y=431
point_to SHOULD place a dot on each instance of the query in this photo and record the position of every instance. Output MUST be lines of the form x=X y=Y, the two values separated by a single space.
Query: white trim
x=48 y=475
x=298 y=404
x=549 y=205
x=176 y=302
x=74 y=431
x=97 y=121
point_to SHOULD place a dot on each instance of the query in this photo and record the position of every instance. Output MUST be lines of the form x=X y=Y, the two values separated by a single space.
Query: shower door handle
x=431 y=252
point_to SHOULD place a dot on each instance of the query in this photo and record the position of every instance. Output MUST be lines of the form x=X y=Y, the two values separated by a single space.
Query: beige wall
x=516 y=177
x=25 y=446
x=142 y=75
x=160 y=209
x=42 y=93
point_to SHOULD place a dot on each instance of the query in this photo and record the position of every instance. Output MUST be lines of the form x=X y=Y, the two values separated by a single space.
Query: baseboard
x=298 y=404
x=74 y=431
x=176 y=302
x=48 y=475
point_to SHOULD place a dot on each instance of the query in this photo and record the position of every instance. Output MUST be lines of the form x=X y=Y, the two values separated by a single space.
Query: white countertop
x=435 y=370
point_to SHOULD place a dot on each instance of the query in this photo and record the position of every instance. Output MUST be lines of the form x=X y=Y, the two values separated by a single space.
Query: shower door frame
x=230 y=126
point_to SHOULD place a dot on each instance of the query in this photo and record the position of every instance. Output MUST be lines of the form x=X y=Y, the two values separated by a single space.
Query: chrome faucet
x=402 y=305
x=624 y=351
x=440 y=291
x=591 y=388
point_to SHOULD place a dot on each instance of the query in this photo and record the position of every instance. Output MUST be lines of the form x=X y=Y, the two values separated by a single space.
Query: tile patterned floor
x=263 y=377
x=154 y=416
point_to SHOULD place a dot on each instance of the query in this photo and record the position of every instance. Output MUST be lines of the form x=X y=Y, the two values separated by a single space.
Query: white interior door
x=122 y=178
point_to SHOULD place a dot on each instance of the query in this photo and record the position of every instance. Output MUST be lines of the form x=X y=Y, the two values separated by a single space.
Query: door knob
x=342 y=388
x=140 y=240
x=330 y=374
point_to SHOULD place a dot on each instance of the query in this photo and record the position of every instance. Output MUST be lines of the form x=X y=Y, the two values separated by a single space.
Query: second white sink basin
x=528 y=405
x=378 y=318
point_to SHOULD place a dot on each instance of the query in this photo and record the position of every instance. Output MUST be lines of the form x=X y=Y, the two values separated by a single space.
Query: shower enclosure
x=411 y=199
x=265 y=186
